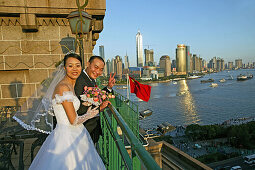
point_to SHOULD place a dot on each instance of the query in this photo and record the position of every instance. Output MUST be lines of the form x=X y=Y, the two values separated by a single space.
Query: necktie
x=93 y=82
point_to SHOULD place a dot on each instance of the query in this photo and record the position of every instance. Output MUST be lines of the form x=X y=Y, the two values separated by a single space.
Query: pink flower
x=90 y=88
x=85 y=88
x=88 y=95
x=104 y=97
x=95 y=99
x=113 y=96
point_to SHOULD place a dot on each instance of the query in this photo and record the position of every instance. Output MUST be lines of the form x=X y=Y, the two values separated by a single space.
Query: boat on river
x=249 y=76
x=222 y=80
x=213 y=85
x=207 y=81
x=193 y=77
x=241 y=77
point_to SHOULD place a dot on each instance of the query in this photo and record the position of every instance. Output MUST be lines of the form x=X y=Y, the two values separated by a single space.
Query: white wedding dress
x=68 y=146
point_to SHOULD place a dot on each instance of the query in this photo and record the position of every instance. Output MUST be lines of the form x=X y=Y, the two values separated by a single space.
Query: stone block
x=12 y=32
x=95 y=36
x=12 y=3
x=1 y=62
x=13 y=77
x=55 y=47
x=18 y=62
x=26 y=90
x=12 y=102
x=35 y=47
x=65 y=31
x=98 y=26
x=28 y=22
x=38 y=75
x=9 y=91
x=46 y=61
x=10 y=47
x=47 y=33
x=1 y=33
x=53 y=3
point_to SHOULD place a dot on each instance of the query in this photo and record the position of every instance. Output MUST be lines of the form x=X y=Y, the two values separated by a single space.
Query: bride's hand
x=92 y=112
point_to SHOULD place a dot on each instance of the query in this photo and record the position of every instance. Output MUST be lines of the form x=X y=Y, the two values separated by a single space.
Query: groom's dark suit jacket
x=92 y=125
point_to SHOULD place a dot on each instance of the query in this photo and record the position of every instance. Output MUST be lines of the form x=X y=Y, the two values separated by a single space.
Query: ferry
x=242 y=77
x=249 y=76
x=222 y=80
x=207 y=81
x=193 y=77
x=214 y=85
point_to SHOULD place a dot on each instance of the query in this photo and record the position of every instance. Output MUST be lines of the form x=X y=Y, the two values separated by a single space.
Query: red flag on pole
x=142 y=91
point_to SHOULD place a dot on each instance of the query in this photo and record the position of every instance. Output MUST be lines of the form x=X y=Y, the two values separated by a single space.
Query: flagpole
x=127 y=87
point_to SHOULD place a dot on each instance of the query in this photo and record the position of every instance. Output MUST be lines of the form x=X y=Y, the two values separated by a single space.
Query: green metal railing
x=112 y=145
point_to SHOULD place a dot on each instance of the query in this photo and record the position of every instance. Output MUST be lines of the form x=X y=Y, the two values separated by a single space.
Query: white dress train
x=68 y=146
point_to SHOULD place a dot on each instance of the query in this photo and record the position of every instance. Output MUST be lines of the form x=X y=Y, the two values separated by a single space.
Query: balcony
x=121 y=146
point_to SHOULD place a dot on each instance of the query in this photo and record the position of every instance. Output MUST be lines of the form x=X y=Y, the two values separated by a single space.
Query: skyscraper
x=188 y=59
x=101 y=54
x=230 y=65
x=101 y=51
x=118 y=66
x=126 y=62
x=149 y=61
x=165 y=63
x=108 y=66
x=238 y=63
x=139 y=49
x=181 y=59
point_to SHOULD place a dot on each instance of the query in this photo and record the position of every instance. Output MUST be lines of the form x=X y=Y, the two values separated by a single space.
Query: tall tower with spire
x=139 y=49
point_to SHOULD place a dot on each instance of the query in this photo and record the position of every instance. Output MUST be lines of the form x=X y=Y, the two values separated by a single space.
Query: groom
x=87 y=78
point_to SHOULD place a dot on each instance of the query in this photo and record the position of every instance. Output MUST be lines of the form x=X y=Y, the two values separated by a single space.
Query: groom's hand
x=103 y=105
x=111 y=81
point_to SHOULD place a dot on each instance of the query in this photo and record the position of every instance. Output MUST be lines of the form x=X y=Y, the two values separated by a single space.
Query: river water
x=190 y=101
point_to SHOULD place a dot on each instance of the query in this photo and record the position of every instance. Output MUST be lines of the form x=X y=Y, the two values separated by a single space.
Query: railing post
x=114 y=149
x=135 y=160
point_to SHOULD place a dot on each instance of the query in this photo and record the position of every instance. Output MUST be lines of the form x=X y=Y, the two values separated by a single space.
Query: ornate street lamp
x=80 y=24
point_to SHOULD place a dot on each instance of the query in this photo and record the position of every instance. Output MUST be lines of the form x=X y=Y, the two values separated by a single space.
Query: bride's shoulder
x=62 y=88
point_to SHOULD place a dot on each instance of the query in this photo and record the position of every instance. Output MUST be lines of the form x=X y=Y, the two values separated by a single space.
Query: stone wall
x=30 y=32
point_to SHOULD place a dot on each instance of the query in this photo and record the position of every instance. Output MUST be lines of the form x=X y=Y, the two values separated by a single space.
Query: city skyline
x=214 y=28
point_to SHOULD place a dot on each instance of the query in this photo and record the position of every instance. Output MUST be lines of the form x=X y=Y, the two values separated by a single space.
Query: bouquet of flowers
x=95 y=96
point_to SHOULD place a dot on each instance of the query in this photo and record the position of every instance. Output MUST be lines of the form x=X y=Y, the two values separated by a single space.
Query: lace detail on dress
x=67 y=96
x=29 y=127
x=89 y=114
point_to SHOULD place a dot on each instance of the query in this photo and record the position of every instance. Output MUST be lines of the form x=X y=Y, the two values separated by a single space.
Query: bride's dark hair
x=72 y=55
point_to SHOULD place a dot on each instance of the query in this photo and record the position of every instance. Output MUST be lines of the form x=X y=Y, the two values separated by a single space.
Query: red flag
x=142 y=91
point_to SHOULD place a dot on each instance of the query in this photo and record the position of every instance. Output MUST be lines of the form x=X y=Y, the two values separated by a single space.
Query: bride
x=69 y=145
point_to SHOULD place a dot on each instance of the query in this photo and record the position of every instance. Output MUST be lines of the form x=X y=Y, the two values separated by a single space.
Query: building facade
x=238 y=63
x=29 y=43
x=230 y=65
x=118 y=67
x=102 y=54
x=139 y=49
x=126 y=62
x=149 y=57
x=188 y=59
x=181 y=59
x=165 y=64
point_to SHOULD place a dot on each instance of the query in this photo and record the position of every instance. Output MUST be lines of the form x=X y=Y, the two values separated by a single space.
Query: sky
x=221 y=28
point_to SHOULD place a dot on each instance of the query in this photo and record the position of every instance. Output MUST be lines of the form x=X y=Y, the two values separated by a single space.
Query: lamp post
x=80 y=24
